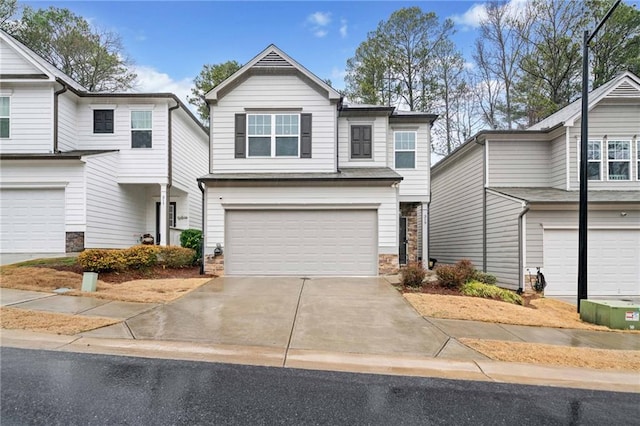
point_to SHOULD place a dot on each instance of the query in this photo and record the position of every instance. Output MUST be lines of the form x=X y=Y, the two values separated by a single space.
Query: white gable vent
x=625 y=90
x=272 y=59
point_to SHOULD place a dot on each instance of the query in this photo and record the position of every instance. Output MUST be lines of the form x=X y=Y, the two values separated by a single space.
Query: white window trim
x=414 y=150
x=273 y=134
x=131 y=129
x=2 y=95
x=619 y=161
x=601 y=142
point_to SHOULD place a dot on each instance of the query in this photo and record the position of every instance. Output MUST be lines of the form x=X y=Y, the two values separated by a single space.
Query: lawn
x=49 y=322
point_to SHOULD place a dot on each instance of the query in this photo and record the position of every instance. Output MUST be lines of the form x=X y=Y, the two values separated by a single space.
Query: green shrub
x=101 y=260
x=450 y=276
x=192 y=238
x=176 y=257
x=483 y=277
x=141 y=256
x=489 y=291
x=412 y=275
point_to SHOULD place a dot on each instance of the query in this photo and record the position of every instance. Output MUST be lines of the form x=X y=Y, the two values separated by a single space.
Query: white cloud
x=472 y=17
x=318 y=22
x=151 y=80
x=470 y=66
x=343 y=28
x=320 y=19
x=338 y=73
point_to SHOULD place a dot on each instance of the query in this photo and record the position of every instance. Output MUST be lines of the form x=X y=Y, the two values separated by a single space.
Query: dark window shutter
x=360 y=141
x=305 y=136
x=241 y=136
x=366 y=141
x=103 y=121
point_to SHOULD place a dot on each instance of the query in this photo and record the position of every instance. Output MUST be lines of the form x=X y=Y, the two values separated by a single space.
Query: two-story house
x=91 y=170
x=302 y=184
x=508 y=200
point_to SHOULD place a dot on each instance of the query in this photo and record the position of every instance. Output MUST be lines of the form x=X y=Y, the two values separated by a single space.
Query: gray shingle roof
x=68 y=155
x=554 y=195
x=362 y=173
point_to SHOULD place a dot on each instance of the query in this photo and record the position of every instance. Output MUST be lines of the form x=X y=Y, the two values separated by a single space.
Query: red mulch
x=155 y=272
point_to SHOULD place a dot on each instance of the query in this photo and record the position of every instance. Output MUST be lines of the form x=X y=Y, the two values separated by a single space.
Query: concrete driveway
x=357 y=315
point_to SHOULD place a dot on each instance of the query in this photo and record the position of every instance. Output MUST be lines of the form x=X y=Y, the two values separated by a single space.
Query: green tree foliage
x=7 y=9
x=396 y=62
x=210 y=77
x=616 y=47
x=92 y=57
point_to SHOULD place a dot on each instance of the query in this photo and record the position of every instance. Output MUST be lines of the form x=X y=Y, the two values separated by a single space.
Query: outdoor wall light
x=218 y=250
x=623 y=214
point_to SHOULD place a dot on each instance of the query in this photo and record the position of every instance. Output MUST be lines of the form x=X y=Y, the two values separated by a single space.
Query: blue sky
x=171 y=41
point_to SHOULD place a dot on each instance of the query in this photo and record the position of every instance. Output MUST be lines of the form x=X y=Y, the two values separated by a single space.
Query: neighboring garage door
x=301 y=242
x=613 y=262
x=32 y=221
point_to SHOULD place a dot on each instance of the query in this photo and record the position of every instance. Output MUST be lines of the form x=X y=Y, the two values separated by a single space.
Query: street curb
x=392 y=364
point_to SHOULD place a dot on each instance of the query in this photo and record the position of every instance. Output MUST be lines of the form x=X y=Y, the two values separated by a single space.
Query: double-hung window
x=5 y=116
x=273 y=135
x=141 y=123
x=405 y=150
x=619 y=160
x=594 y=160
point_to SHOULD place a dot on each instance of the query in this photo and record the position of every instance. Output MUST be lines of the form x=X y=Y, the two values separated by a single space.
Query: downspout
x=55 y=117
x=339 y=108
x=525 y=209
x=167 y=205
x=202 y=189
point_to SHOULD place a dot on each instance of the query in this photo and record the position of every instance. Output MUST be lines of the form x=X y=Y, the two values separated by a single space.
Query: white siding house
x=301 y=183
x=508 y=200
x=91 y=170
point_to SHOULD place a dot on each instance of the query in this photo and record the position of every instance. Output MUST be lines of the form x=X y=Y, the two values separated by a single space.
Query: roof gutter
x=55 y=116
x=525 y=209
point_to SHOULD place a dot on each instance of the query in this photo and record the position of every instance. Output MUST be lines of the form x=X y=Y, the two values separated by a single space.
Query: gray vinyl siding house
x=508 y=200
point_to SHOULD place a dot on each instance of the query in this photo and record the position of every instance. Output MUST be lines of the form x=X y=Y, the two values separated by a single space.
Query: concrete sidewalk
x=360 y=325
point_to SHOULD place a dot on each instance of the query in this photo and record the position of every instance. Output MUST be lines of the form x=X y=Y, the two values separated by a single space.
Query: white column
x=425 y=235
x=164 y=228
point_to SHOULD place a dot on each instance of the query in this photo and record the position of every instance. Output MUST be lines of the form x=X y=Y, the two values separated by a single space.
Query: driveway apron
x=357 y=315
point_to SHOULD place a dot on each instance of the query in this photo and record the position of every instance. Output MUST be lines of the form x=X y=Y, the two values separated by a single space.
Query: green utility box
x=616 y=314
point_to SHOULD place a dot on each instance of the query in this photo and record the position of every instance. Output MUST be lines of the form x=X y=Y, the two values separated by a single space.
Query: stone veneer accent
x=214 y=265
x=74 y=242
x=387 y=264
x=410 y=211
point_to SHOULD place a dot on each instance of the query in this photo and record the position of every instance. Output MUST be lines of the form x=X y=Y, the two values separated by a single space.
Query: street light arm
x=593 y=34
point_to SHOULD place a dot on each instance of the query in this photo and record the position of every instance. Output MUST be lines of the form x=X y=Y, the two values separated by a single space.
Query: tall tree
x=210 y=76
x=616 y=47
x=368 y=75
x=499 y=49
x=398 y=57
x=7 y=9
x=92 y=57
x=552 y=29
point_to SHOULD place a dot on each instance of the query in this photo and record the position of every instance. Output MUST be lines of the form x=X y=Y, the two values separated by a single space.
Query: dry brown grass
x=151 y=291
x=47 y=322
x=535 y=353
x=547 y=312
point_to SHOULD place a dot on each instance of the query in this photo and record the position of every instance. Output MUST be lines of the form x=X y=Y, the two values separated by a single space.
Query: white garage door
x=301 y=242
x=32 y=221
x=613 y=265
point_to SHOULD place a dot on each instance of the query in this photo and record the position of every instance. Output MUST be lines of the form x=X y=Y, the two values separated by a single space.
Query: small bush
x=101 y=260
x=141 y=256
x=483 y=277
x=192 y=238
x=488 y=291
x=412 y=275
x=450 y=276
x=176 y=257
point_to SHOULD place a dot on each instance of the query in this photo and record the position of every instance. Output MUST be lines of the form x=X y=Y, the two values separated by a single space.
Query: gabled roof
x=270 y=59
x=625 y=85
x=52 y=73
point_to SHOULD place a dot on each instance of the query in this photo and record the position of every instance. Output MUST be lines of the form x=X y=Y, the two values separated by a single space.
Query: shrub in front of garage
x=136 y=257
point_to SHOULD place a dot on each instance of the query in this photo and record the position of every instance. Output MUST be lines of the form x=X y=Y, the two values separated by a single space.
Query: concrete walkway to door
x=357 y=315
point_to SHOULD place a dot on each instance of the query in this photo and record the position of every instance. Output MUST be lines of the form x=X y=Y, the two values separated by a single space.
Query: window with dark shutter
x=241 y=136
x=361 y=142
x=305 y=135
x=102 y=121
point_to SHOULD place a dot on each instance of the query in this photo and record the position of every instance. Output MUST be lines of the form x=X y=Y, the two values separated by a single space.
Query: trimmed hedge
x=136 y=257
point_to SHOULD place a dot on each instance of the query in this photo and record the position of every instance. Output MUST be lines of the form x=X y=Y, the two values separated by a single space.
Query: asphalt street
x=43 y=387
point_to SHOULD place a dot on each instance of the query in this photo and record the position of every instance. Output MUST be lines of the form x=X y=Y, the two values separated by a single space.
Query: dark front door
x=403 y=241
x=171 y=219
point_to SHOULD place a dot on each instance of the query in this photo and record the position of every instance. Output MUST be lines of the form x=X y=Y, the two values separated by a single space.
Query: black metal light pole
x=584 y=175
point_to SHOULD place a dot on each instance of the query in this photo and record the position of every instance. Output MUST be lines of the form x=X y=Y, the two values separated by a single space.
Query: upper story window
x=273 y=135
x=5 y=116
x=594 y=160
x=619 y=160
x=141 y=123
x=405 y=150
x=102 y=121
x=361 y=142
